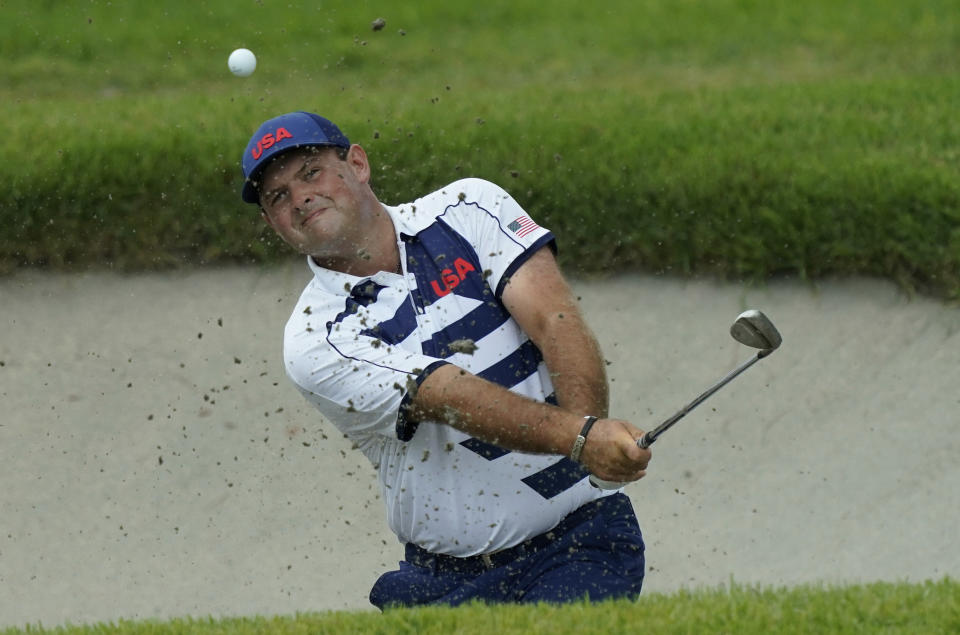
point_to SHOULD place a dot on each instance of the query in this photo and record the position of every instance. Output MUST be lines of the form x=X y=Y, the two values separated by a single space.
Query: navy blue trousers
x=595 y=553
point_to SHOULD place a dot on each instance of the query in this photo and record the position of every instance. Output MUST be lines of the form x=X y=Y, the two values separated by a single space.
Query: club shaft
x=647 y=439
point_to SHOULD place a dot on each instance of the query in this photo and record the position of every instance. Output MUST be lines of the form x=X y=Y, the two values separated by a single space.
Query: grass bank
x=727 y=138
x=929 y=607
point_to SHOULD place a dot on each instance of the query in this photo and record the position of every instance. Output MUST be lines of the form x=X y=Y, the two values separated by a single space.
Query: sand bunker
x=156 y=462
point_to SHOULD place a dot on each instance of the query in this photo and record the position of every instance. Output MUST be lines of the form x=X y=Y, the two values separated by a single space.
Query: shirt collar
x=339 y=283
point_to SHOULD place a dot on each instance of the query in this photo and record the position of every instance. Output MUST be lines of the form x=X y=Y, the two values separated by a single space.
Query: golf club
x=752 y=328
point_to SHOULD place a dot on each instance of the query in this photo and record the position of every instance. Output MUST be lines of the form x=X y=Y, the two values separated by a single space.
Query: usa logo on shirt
x=522 y=226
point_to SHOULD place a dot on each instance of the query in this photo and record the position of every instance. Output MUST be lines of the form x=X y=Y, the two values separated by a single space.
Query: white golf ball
x=242 y=62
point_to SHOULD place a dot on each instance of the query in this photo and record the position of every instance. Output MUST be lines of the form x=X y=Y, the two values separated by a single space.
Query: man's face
x=311 y=198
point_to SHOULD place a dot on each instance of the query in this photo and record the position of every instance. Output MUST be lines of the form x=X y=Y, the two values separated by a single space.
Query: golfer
x=441 y=338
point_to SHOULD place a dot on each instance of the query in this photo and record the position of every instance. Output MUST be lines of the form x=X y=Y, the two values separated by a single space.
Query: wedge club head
x=754 y=329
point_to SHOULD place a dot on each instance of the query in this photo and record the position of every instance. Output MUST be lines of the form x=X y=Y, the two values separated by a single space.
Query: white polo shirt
x=354 y=346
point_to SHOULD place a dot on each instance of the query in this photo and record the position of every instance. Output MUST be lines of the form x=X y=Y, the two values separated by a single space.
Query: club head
x=755 y=329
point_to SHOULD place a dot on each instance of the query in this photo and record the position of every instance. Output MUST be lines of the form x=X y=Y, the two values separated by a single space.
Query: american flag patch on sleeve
x=522 y=226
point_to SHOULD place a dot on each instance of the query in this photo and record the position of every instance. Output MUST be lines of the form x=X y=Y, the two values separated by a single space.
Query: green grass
x=733 y=138
x=929 y=607
x=65 y=48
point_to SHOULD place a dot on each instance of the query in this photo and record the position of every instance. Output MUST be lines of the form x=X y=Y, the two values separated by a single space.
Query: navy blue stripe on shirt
x=364 y=293
x=514 y=368
x=548 y=482
x=557 y=478
x=475 y=325
x=487 y=450
x=397 y=328
x=444 y=262
x=490 y=451
x=392 y=331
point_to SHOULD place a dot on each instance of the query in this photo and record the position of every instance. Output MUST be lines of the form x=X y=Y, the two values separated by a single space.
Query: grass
x=69 y=48
x=928 y=607
x=732 y=138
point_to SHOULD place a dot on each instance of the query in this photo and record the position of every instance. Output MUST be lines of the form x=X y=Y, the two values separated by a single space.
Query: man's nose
x=300 y=198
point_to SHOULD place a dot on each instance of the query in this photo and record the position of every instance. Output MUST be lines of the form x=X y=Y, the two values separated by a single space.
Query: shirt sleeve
x=500 y=231
x=353 y=377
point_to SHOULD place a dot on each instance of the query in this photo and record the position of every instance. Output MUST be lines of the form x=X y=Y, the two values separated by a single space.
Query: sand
x=155 y=462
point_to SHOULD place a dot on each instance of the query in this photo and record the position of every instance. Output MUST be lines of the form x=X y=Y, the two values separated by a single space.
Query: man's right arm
x=492 y=413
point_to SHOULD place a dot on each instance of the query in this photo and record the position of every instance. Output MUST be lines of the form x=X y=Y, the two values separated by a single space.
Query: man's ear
x=357 y=158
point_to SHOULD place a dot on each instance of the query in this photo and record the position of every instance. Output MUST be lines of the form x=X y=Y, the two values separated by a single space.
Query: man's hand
x=611 y=452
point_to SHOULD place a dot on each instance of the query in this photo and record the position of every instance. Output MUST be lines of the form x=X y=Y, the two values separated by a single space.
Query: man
x=441 y=338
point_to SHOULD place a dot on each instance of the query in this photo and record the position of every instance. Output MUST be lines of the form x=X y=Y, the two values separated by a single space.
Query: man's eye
x=277 y=198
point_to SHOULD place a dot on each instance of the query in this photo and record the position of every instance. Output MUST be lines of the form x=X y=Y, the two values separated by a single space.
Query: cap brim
x=250 y=193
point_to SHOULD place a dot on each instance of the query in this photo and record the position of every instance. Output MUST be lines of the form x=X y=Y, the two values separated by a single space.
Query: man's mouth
x=314 y=214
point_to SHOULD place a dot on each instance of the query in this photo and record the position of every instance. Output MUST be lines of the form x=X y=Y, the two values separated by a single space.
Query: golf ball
x=242 y=62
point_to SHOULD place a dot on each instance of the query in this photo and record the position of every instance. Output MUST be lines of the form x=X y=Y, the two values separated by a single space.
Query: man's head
x=280 y=134
x=313 y=188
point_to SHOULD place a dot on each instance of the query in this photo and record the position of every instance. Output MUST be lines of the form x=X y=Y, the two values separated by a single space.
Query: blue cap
x=292 y=130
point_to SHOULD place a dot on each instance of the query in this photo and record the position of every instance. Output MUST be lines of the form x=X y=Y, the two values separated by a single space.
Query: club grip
x=644 y=442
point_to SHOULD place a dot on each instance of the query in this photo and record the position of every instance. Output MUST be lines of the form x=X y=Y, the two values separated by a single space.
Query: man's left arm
x=540 y=300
